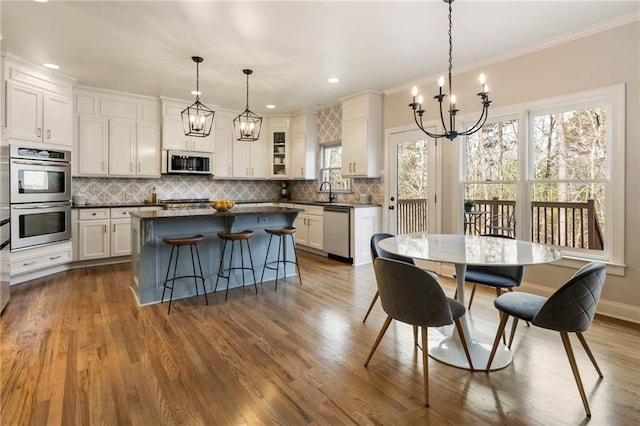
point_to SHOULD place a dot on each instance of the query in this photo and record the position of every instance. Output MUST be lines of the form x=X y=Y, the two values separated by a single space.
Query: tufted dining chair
x=570 y=309
x=378 y=252
x=499 y=277
x=411 y=295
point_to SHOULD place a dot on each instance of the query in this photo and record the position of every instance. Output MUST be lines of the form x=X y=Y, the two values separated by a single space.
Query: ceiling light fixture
x=198 y=118
x=248 y=124
x=333 y=80
x=450 y=131
x=51 y=66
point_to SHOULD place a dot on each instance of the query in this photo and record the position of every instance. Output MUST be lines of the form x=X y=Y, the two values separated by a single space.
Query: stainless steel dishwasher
x=337 y=232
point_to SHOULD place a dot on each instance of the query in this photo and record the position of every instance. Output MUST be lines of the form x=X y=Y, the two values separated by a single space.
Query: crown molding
x=526 y=50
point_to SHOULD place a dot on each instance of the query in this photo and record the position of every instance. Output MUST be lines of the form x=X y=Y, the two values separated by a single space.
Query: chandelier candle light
x=248 y=124
x=198 y=118
x=450 y=131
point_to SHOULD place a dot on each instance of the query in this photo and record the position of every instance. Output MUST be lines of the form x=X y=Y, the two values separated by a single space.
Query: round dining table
x=463 y=250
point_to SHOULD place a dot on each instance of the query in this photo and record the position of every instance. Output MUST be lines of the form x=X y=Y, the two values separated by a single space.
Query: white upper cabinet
x=223 y=153
x=302 y=163
x=117 y=134
x=173 y=136
x=361 y=134
x=93 y=154
x=38 y=108
x=279 y=147
x=249 y=158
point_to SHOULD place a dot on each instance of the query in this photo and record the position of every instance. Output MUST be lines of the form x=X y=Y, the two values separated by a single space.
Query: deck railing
x=555 y=223
x=412 y=215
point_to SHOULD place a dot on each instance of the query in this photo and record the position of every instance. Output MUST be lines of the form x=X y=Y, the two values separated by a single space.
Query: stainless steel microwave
x=187 y=162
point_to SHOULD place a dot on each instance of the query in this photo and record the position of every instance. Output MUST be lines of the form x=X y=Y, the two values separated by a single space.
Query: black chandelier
x=450 y=131
x=198 y=118
x=248 y=124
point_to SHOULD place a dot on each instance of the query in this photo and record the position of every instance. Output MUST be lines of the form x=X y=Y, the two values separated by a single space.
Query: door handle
x=392 y=207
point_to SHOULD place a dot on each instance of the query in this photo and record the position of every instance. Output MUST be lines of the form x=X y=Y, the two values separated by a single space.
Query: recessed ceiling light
x=52 y=66
x=196 y=93
x=334 y=80
x=41 y=1
x=271 y=106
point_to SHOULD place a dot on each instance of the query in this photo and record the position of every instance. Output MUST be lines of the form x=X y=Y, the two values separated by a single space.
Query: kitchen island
x=150 y=256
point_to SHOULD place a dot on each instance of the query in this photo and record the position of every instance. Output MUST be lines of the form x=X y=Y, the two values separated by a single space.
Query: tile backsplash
x=123 y=190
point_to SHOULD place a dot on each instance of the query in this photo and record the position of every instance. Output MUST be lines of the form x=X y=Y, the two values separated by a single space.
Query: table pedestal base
x=447 y=348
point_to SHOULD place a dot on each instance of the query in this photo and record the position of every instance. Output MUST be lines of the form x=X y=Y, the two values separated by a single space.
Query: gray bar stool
x=175 y=244
x=281 y=233
x=226 y=272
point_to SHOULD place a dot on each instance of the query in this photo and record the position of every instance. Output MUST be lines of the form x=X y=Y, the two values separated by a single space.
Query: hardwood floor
x=77 y=350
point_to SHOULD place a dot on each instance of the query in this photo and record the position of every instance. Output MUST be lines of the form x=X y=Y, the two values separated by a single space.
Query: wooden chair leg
x=425 y=366
x=415 y=335
x=473 y=293
x=574 y=369
x=465 y=346
x=373 y=302
x=513 y=331
x=503 y=322
x=379 y=338
x=589 y=354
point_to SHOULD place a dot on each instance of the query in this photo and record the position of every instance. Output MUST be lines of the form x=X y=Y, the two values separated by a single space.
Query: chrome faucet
x=331 y=197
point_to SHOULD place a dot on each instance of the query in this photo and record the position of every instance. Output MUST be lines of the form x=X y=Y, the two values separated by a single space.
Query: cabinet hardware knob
x=48 y=133
x=39 y=132
x=55 y=257
x=28 y=263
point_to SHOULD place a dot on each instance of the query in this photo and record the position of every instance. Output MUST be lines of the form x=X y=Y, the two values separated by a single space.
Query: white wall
x=599 y=60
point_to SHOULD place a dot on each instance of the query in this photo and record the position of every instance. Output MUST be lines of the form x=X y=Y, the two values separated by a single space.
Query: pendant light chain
x=247 y=91
x=450 y=46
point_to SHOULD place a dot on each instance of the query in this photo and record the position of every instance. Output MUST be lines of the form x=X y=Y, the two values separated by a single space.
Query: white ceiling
x=145 y=47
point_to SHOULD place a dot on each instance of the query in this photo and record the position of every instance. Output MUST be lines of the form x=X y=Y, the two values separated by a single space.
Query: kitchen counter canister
x=150 y=256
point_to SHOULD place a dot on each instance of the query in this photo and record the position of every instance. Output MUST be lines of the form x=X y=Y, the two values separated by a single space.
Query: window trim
x=321 y=168
x=614 y=97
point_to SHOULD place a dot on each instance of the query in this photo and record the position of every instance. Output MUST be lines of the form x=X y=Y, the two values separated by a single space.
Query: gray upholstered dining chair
x=411 y=295
x=378 y=252
x=570 y=309
x=500 y=277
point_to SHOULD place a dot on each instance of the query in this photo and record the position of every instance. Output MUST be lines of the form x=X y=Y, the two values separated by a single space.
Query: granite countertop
x=239 y=203
x=191 y=213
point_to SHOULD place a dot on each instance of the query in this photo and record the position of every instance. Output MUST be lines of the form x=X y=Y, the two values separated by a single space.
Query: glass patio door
x=412 y=183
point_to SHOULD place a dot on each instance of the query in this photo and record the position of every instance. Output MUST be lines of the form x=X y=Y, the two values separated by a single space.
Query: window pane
x=570 y=145
x=332 y=157
x=492 y=154
x=494 y=208
x=412 y=170
x=569 y=214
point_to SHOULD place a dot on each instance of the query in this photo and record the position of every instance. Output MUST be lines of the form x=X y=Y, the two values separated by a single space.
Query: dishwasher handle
x=339 y=209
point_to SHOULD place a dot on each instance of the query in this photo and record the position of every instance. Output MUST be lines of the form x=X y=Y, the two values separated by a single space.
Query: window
x=569 y=193
x=331 y=168
x=491 y=178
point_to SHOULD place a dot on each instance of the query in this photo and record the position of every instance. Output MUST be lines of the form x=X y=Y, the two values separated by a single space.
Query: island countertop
x=190 y=213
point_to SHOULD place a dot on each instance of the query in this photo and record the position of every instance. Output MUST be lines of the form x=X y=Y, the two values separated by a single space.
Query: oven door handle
x=40 y=206
x=42 y=163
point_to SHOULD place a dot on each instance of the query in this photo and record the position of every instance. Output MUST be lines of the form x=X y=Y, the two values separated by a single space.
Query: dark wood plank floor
x=77 y=350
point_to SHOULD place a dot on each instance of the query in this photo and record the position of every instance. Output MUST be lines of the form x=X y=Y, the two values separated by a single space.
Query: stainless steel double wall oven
x=40 y=193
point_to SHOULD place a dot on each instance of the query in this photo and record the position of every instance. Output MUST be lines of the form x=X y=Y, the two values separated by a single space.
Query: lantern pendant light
x=198 y=118
x=248 y=124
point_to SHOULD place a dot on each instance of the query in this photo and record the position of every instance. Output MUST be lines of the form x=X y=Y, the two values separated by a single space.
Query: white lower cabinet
x=310 y=226
x=365 y=221
x=104 y=232
x=34 y=259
